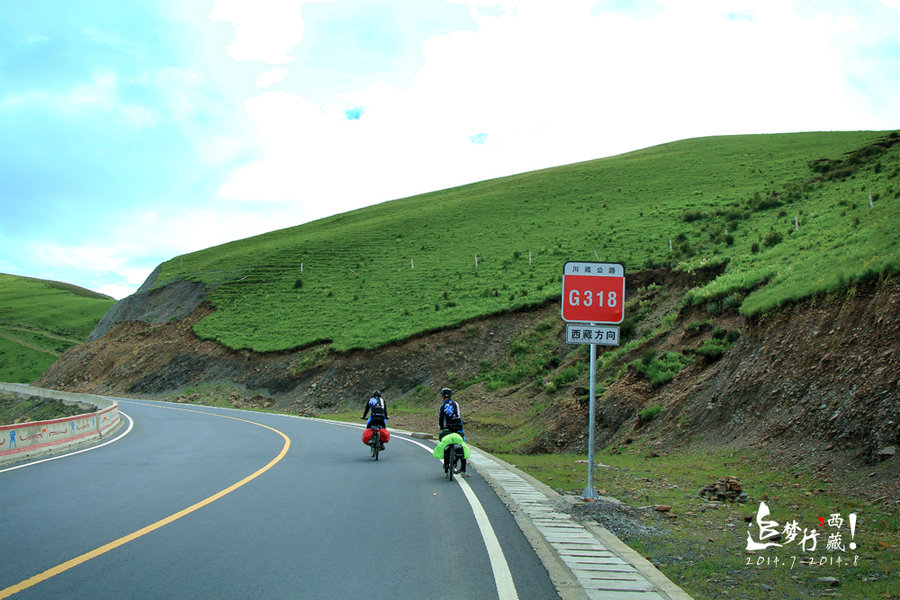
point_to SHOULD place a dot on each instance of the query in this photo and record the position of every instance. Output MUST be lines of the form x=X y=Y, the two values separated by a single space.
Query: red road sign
x=593 y=292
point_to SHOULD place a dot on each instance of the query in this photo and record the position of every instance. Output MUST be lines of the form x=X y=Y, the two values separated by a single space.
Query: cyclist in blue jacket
x=448 y=415
x=449 y=421
x=377 y=409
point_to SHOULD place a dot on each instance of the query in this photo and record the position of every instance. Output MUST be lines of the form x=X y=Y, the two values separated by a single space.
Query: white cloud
x=542 y=85
x=265 y=30
x=122 y=263
x=90 y=266
x=218 y=150
x=115 y=290
x=100 y=95
x=271 y=77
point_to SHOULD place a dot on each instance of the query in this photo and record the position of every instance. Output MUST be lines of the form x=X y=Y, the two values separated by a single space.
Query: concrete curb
x=583 y=559
x=596 y=563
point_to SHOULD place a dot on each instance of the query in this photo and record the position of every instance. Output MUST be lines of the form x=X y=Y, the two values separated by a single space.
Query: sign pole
x=589 y=491
x=593 y=293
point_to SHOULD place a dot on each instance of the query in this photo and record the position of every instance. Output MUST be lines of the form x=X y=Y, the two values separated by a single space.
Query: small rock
x=887 y=451
x=596 y=464
x=830 y=581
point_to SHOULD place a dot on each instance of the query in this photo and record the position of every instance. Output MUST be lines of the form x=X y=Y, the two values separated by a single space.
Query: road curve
x=198 y=502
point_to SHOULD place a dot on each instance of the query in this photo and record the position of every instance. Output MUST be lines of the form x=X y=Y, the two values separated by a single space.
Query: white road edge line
x=506 y=587
x=115 y=439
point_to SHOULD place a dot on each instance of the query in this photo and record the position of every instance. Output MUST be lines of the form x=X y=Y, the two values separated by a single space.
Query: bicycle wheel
x=457 y=465
x=376 y=443
x=451 y=461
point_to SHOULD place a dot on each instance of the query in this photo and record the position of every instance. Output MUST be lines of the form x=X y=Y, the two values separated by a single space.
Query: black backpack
x=378 y=410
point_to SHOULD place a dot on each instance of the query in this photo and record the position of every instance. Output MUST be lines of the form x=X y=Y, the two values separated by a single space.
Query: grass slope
x=788 y=214
x=701 y=546
x=39 y=320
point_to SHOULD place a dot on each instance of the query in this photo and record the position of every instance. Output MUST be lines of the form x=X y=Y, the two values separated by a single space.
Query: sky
x=133 y=132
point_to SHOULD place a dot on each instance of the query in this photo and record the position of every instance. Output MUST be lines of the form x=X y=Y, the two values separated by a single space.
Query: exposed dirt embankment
x=157 y=359
x=818 y=382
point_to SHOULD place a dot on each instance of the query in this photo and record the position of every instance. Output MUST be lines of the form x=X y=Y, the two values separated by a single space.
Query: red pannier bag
x=367 y=436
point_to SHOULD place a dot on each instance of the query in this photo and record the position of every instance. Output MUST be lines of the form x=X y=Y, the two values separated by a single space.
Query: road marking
x=61 y=568
x=67 y=455
x=506 y=587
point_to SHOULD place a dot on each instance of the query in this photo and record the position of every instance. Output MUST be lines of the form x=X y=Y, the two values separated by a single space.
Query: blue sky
x=133 y=132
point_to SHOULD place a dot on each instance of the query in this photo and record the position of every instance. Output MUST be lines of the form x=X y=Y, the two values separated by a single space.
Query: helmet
x=376 y=394
x=445 y=392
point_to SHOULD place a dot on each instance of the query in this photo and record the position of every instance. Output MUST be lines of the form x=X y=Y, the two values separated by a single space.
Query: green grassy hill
x=787 y=215
x=39 y=320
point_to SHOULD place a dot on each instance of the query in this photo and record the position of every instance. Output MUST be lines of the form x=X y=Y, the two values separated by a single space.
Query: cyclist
x=451 y=425
x=441 y=451
x=377 y=409
x=448 y=415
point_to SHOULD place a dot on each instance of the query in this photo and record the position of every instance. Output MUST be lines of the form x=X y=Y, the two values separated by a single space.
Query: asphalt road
x=197 y=502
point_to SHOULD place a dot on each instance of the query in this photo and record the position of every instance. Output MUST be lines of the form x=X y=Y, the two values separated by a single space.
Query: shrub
x=713 y=349
x=773 y=238
x=627 y=329
x=732 y=301
x=660 y=370
x=544 y=326
x=759 y=203
x=698 y=326
x=649 y=413
x=518 y=347
x=721 y=342
x=566 y=376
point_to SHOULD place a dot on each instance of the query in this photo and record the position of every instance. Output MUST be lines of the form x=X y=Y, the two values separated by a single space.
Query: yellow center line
x=53 y=572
